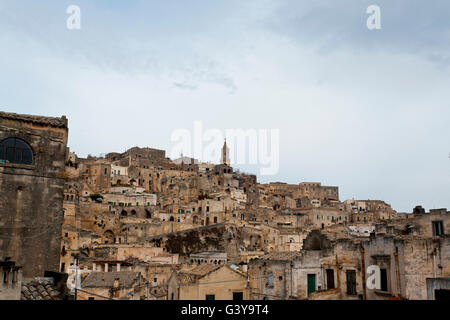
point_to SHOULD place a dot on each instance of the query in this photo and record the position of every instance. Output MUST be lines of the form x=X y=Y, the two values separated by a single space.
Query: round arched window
x=14 y=150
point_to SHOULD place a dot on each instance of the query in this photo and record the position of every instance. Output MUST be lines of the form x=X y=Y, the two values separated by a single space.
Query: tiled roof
x=160 y=291
x=185 y=278
x=127 y=279
x=209 y=254
x=40 y=289
x=282 y=256
x=191 y=275
x=48 y=121
x=202 y=269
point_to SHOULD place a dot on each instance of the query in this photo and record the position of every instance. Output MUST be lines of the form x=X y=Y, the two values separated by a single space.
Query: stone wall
x=31 y=196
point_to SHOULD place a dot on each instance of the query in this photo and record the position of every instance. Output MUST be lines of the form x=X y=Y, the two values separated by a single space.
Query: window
x=13 y=150
x=270 y=279
x=438 y=228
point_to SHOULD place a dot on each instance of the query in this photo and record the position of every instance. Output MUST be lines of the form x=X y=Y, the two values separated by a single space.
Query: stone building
x=97 y=176
x=208 y=282
x=122 y=285
x=10 y=280
x=409 y=253
x=52 y=286
x=438 y=288
x=32 y=175
x=209 y=257
x=321 y=270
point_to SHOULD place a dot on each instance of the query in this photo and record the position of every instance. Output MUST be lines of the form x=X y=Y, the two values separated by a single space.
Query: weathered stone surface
x=31 y=196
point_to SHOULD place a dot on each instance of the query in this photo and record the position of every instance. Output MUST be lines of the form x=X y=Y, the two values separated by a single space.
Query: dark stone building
x=32 y=176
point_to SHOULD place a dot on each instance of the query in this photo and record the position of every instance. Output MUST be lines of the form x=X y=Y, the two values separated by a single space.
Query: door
x=330 y=279
x=210 y=297
x=238 y=296
x=311 y=283
x=384 y=280
x=442 y=295
x=351 y=282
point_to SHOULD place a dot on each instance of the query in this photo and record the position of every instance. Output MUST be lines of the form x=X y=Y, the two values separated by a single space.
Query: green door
x=311 y=283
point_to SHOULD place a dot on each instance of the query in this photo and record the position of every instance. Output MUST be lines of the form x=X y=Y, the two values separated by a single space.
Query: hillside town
x=137 y=225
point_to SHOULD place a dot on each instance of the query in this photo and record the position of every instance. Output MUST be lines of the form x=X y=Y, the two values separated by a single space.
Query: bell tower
x=225 y=154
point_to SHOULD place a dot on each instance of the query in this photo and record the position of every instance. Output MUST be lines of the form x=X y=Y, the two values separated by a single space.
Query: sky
x=365 y=110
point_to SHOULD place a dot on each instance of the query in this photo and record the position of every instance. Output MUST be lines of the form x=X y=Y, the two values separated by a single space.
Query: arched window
x=14 y=150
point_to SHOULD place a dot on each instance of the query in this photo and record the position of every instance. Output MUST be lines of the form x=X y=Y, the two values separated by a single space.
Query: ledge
x=18 y=166
x=383 y=293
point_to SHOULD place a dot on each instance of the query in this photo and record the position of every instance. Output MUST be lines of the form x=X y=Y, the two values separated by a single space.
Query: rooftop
x=201 y=270
x=40 y=120
x=127 y=279
x=40 y=289
x=282 y=255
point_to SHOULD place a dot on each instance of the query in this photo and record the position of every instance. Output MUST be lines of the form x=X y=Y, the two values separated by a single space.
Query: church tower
x=225 y=154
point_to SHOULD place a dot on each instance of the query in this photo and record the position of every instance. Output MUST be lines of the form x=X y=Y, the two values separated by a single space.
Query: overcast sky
x=366 y=110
